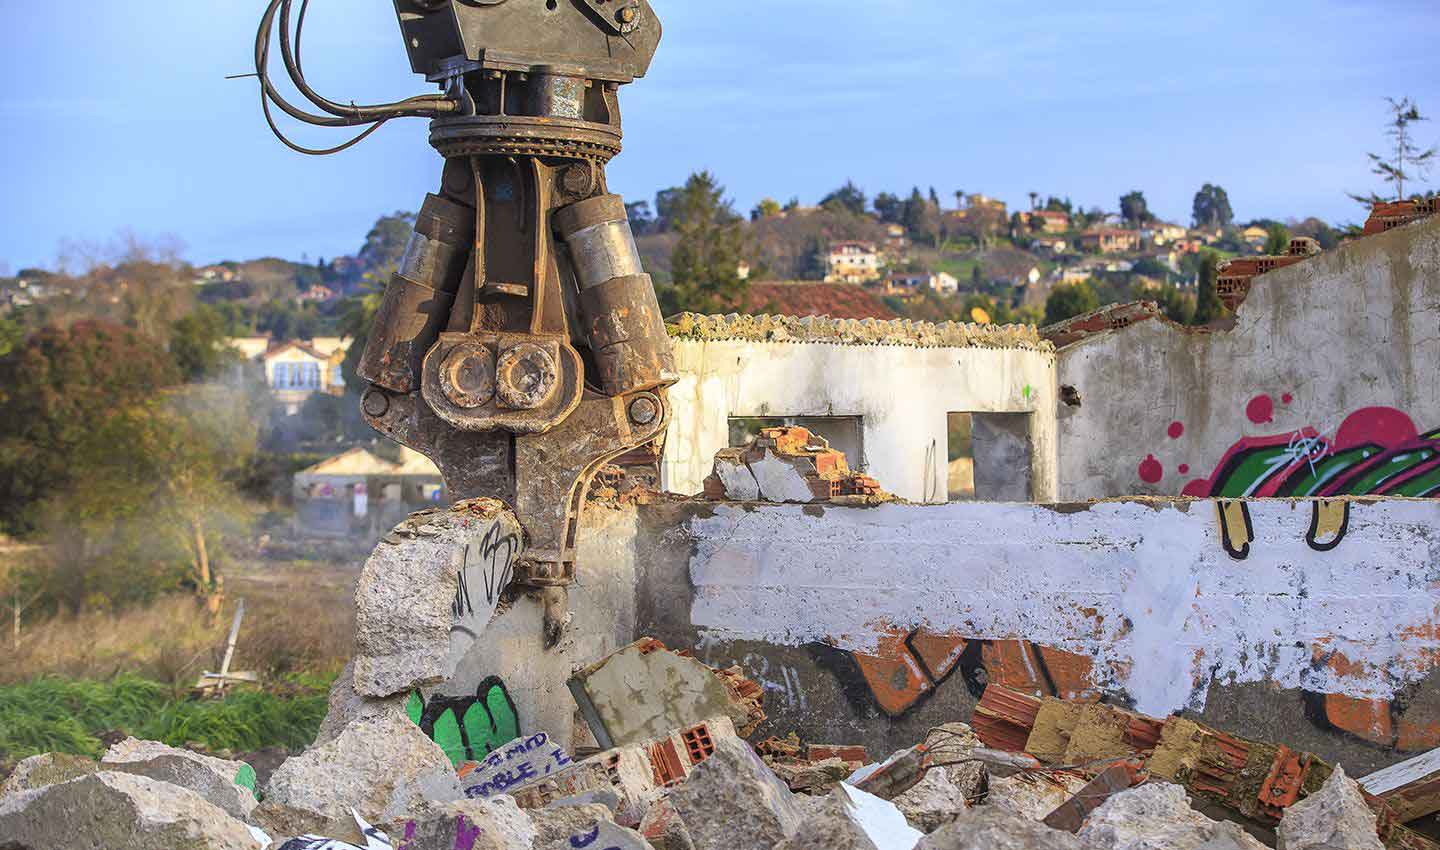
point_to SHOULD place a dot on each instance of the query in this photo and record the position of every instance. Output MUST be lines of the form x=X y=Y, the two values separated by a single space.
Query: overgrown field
x=59 y=715
x=74 y=680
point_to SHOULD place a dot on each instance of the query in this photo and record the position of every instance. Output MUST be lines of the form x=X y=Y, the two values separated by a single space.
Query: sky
x=116 y=115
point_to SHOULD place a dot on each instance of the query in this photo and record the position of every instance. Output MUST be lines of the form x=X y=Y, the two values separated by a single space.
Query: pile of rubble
x=1039 y=774
x=949 y=793
x=789 y=464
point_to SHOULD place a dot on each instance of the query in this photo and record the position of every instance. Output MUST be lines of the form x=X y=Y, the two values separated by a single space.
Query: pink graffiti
x=1287 y=399
x=1151 y=470
x=1184 y=469
x=1177 y=430
x=1261 y=409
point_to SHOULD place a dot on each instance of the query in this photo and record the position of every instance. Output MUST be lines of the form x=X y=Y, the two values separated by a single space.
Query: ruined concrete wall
x=870 y=625
x=903 y=394
x=516 y=683
x=1333 y=354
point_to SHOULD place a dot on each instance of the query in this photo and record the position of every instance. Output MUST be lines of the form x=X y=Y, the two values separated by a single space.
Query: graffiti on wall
x=1376 y=451
x=485 y=569
x=908 y=668
x=468 y=728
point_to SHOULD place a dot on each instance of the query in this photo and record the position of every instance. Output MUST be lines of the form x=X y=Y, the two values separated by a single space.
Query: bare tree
x=16 y=594
x=1405 y=162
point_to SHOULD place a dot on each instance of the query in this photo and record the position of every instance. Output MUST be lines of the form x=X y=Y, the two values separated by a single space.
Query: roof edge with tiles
x=825 y=330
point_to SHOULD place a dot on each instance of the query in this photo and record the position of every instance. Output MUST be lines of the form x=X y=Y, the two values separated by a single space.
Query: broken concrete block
x=381 y=767
x=1333 y=818
x=733 y=480
x=556 y=825
x=49 y=769
x=521 y=762
x=734 y=802
x=1099 y=733
x=644 y=692
x=118 y=811
x=346 y=706
x=992 y=828
x=227 y=784
x=932 y=804
x=426 y=592
x=589 y=775
x=663 y=827
x=1412 y=788
x=849 y=819
x=603 y=835
x=1033 y=795
x=495 y=824
x=1050 y=736
x=785 y=479
x=811 y=777
x=1158 y=816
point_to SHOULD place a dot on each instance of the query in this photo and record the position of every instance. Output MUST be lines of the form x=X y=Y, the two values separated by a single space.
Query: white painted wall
x=1353 y=328
x=1145 y=589
x=903 y=394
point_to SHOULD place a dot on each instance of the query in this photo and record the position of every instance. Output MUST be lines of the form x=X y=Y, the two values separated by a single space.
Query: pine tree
x=705 y=264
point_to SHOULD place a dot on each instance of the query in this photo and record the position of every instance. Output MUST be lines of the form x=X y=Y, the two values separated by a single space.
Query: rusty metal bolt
x=645 y=409
x=579 y=179
x=525 y=377
x=375 y=404
x=627 y=14
x=467 y=375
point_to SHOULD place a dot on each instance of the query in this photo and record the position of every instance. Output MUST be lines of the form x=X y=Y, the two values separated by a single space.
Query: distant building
x=1110 y=240
x=1255 y=236
x=852 y=262
x=319 y=294
x=214 y=274
x=924 y=281
x=360 y=493
x=1161 y=233
x=295 y=370
x=1046 y=221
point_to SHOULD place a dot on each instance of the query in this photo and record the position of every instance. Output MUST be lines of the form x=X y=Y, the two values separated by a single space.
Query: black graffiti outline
x=1243 y=552
x=1312 y=536
x=489 y=548
x=436 y=707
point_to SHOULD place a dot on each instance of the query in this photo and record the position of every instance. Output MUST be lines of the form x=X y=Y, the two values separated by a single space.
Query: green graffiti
x=468 y=728
x=245 y=778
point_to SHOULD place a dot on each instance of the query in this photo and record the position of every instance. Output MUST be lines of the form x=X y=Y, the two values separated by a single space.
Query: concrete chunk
x=345 y=706
x=932 y=804
x=990 y=828
x=1333 y=818
x=227 y=784
x=118 y=811
x=495 y=824
x=381 y=767
x=1158 y=816
x=39 y=771
x=733 y=802
x=644 y=692
x=427 y=591
x=849 y=819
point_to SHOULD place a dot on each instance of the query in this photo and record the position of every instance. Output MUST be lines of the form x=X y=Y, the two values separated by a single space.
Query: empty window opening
x=844 y=433
x=990 y=457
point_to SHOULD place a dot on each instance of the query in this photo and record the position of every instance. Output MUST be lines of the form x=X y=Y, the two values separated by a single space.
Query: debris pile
x=789 y=464
x=1094 y=777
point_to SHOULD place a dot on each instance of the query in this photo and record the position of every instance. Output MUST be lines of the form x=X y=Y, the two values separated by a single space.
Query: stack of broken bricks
x=1251 y=782
x=789 y=464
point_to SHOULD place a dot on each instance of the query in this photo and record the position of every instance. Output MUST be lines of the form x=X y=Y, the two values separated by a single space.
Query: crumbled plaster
x=823 y=329
x=1147 y=592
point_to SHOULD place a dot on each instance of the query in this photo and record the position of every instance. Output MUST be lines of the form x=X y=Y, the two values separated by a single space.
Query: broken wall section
x=1329 y=361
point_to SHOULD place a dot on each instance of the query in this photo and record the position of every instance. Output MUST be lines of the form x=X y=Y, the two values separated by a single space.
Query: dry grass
x=299 y=619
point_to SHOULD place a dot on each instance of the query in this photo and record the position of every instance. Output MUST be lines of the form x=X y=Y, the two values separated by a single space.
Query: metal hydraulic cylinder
x=618 y=308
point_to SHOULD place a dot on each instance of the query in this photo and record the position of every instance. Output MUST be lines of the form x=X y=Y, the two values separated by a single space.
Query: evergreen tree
x=705 y=264
x=1207 y=306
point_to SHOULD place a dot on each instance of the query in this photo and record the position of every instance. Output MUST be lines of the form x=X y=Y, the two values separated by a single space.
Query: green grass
x=60 y=715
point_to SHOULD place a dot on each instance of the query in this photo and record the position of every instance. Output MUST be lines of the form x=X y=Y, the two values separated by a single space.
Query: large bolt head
x=467 y=375
x=645 y=410
x=525 y=376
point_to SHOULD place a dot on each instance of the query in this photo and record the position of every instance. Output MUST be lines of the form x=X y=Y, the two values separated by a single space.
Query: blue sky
x=116 y=114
